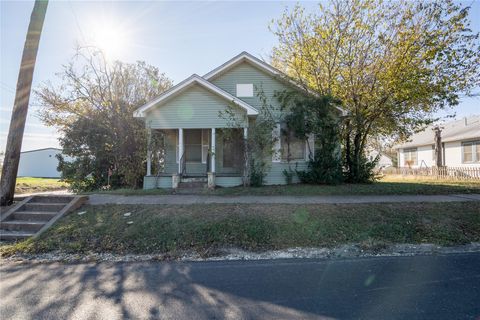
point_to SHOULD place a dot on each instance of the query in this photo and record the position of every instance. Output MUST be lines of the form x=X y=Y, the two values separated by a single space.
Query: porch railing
x=183 y=165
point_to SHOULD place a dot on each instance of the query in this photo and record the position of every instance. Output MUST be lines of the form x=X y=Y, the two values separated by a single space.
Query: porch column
x=149 y=152
x=180 y=150
x=245 y=137
x=212 y=158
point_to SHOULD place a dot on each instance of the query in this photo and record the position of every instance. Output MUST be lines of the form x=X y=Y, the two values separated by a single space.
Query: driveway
x=99 y=199
x=418 y=287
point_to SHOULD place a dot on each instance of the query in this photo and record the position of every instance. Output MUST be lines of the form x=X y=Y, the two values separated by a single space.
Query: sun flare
x=110 y=38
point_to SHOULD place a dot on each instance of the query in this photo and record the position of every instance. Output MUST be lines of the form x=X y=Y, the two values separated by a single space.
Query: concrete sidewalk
x=99 y=199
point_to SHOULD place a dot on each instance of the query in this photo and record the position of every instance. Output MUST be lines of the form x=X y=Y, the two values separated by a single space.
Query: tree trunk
x=348 y=158
x=20 y=108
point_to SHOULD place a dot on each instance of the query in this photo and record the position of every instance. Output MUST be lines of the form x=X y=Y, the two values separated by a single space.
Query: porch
x=202 y=155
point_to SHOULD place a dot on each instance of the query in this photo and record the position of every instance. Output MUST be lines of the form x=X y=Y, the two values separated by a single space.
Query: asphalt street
x=418 y=287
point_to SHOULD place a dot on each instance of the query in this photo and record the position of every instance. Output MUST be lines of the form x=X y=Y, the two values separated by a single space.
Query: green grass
x=204 y=228
x=30 y=185
x=389 y=185
x=385 y=186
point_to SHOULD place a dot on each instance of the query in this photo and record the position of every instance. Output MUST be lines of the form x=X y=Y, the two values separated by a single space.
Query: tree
x=93 y=111
x=392 y=64
x=22 y=98
x=308 y=116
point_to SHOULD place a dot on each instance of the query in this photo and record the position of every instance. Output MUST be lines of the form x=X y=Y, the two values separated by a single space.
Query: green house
x=190 y=117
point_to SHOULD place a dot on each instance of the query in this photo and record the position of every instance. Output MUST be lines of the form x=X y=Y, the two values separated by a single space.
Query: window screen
x=292 y=148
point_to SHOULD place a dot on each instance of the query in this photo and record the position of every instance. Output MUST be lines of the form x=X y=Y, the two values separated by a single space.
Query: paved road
x=421 y=287
x=98 y=199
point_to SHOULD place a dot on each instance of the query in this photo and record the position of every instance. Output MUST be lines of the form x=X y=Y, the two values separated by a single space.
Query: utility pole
x=20 y=107
x=438 y=147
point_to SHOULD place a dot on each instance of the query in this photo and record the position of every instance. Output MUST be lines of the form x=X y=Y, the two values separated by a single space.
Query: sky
x=180 y=38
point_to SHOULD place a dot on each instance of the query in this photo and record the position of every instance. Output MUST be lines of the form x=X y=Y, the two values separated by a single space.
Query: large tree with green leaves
x=393 y=64
x=93 y=110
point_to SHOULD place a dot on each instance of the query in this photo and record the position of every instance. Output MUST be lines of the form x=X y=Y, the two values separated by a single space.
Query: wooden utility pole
x=438 y=147
x=20 y=107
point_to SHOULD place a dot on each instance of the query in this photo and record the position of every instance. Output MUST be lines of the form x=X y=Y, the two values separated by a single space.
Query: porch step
x=194 y=179
x=192 y=185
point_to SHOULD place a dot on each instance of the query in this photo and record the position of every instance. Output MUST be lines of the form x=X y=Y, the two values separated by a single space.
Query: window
x=410 y=156
x=471 y=151
x=245 y=90
x=292 y=148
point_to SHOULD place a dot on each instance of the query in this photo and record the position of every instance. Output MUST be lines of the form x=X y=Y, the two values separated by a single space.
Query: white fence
x=454 y=173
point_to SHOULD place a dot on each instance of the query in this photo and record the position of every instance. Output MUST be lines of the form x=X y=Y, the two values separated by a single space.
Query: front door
x=196 y=145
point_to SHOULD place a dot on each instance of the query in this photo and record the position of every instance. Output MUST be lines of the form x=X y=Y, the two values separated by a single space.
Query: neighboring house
x=384 y=161
x=195 y=143
x=459 y=145
x=39 y=163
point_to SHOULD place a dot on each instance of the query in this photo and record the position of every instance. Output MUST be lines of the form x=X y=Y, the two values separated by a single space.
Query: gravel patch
x=235 y=254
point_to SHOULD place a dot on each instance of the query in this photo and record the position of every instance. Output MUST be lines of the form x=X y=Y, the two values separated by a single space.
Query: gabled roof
x=43 y=149
x=245 y=56
x=194 y=79
x=463 y=129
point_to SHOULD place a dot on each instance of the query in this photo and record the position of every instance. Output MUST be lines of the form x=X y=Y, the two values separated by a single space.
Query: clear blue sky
x=180 y=38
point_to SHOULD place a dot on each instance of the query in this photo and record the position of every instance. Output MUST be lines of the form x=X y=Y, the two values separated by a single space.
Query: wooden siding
x=228 y=181
x=276 y=176
x=247 y=73
x=196 y=107
x=152 y=182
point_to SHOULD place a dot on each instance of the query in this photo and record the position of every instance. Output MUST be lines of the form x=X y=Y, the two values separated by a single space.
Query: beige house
x=459 y=141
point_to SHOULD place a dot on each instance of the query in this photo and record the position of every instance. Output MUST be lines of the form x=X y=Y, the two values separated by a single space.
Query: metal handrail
x=183 y=165
x=208 y=160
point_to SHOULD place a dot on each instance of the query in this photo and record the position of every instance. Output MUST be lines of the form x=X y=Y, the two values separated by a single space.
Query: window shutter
x=277 y=147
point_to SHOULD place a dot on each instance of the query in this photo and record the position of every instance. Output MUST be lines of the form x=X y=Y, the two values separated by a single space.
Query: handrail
x=183 y=165
x=208 y=160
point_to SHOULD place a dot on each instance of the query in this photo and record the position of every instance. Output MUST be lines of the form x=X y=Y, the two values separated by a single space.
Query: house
x=458 y=145
x=384 y=161
x=196 y=143
x=40 y=163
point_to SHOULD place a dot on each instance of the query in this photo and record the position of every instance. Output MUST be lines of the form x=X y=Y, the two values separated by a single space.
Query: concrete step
x=34 y=215
x=22 y=225
x=14 y=235
x=43 y=206
x=51 y=199
x=193 y=179
x=192 y=185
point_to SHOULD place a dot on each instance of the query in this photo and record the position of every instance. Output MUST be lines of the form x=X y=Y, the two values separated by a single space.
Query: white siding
x=453 y=155
x=425 y=155
x=39 y=163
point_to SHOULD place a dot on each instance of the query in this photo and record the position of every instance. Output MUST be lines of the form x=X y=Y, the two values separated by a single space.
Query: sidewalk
x=99 y=199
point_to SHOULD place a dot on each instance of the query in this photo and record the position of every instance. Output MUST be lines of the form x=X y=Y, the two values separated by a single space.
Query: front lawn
x=389 y=185
x=31 y=185
x=153 y=229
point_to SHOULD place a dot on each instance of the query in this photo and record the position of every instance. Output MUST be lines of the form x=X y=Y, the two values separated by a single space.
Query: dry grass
x=30 y=185
x=203 y=228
